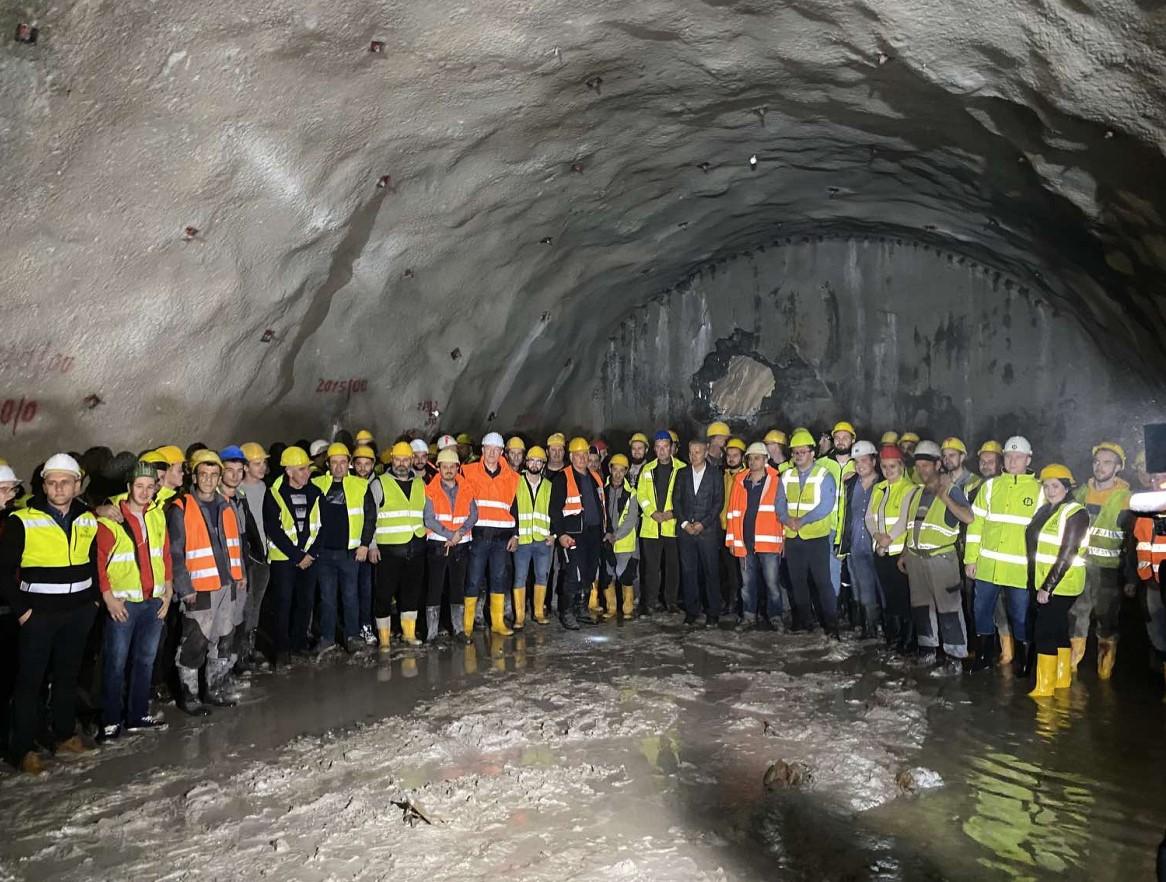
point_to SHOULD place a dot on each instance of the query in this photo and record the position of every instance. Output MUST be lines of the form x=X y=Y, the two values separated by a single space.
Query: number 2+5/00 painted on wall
x=350 y=386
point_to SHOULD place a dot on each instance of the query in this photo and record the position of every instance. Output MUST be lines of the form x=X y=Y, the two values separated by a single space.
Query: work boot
x=1064 y=668
x=1077 y=651
x=189 y=701
x=72 y=746
x=384 y=633
x=927 y=656
x=1046 y=676
x=471 y=604
x=1106 y=656
x=457 y=617
x=985 y=650
x=108 y=733
x=540 y=605
x=353 y=645
x=479 y=614
x=519 y=609
x=567 y=613
x=1006 y=650
x=219 y=697
x=593 y=600
x=612 y=608
x=629 y=602
x=1023 y=663
x=31 y=764
x=432 y=622
x=409 y=629
x=498 y=616
x=147 y=724
x=712 y=621
x=323 y=648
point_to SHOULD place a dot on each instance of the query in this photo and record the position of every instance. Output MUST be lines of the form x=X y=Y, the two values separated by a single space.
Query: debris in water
x=279 y=845
x=781 y=775
x=413 y=812
x=911 y=781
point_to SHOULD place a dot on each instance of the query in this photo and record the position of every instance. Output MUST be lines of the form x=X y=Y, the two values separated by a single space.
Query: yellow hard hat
x=402 y=449
x=953 y=443
x=641 y=437
x=775 y=436
x=1055 y=471
x=386 y=456
x=516 y=443
x=200 y=457
x=364 y=435
x=337 y=449
x=170 y=454
x=447 y=454
x=619 y=460
x=736 y=443
x=674 y=436
x=990 y=447
x=253 y=450
x=364 y=452
x=801 y=438
x=148 y=456
x=465 y=438
x=536 y=452
x=843 y=426
x=433 y=448
x=578 y=445
x=1112 y=447
x=294 y=457
x=908 y=436
x=558 y=439
x=889 y=438
x=717 y=428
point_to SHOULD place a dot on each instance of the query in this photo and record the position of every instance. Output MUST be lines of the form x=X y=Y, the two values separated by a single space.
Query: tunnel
x=272 y=220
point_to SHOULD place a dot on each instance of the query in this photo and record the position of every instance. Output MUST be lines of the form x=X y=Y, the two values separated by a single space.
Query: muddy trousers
x=937 y=609
x=811 y=580
x=399 y=576
x=580 y=567
x=1101 y=599
x=660 y=554
x=1051 y=621
x=207 y=625
x=50 y=643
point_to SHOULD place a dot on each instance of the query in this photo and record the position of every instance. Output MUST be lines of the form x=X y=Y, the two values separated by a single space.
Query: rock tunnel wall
x=889 y=333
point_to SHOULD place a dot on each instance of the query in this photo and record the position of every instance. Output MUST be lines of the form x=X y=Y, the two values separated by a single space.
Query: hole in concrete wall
x=26 y=33
x=741 y=391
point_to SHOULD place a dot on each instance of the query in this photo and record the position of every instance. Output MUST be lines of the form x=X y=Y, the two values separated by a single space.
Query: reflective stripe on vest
x=200 y=555
x=573 y=504
x=355 y=489
x=768 y=531
x=886 y=501
x=450 y=518
x=803 y=497
x=400 y=519
x=287 y=522
x=626 y=544
x=48 y=547
x=1048 y=545
x=125 y=579
x=995 y=540
x=493 y=494
x=1105 y=536
x=534 y=513
x=934 y=533
x=649 y=505
x=1151 y=548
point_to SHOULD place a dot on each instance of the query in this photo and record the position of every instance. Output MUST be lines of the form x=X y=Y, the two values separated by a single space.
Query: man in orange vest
x=206 y=556
x=755 y=536
x=578 y=522
x=449 y=518
x=492 y=485
x=1149 y=533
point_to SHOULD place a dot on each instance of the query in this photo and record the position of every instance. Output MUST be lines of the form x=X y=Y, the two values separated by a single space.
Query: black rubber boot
x=1021 y=659
x=190 y=704
x=985 y=653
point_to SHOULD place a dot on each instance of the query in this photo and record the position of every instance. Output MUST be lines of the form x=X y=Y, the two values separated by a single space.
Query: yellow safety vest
x=649 y=505
x=125 y=580
x=628 y=542
x=935 y=536
x=354 y=490
x=1048 y=545
x=534 y=512
x=1105 y=534
x=995 y=541
x=47 y=548
x=803 y=498
x=400 y=519
x=886 y=501
x=287 y=523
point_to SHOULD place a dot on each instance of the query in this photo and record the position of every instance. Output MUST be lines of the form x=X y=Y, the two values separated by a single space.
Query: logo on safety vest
x=1028 y=500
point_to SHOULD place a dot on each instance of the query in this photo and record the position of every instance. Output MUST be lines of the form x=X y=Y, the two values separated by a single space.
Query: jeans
x=765 y=566
x=134 y=641
x=482 y=552
x=835 y=566
x=865 y=580
x=537 y=553
x=336 y=578
x=1016 y=601
x=364 y=593
x=292 y=592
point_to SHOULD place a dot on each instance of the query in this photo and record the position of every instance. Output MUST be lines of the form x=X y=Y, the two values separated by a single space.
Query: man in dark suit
x=699 y=495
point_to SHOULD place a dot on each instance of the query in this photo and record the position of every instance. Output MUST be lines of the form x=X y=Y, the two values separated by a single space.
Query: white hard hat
x=863 y=448
x=7 y=476
x=927 y=449
x=493 y=439
x=418 y=445
x=446 y=441
x=1018 y=444
x=757 y=448
x=318 y=447
x=61 y=462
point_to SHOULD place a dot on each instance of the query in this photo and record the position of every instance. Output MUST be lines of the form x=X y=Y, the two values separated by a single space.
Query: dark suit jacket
x=703 y=506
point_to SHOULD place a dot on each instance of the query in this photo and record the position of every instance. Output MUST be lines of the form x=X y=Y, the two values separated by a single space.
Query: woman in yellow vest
x=887 y=520
x=1056 y=542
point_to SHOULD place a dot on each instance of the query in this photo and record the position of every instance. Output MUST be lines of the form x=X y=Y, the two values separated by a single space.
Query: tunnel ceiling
x=380 y=235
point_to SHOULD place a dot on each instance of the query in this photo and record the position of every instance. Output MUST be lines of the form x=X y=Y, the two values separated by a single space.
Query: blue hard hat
x=232 y=453
x=662 y=435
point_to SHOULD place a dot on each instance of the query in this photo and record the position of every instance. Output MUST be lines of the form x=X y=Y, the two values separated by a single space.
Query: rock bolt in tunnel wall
x=893 y=334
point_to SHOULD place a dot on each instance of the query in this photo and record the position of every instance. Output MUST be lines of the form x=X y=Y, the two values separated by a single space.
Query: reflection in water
x=1027 y=816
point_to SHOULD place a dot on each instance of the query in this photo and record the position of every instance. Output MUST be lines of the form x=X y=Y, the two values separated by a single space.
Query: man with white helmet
x=855 y=542
x=755 y=537
x=422 y=467
x=54 y=601
x=449 y=517
x=492 y=485
x=996 y=554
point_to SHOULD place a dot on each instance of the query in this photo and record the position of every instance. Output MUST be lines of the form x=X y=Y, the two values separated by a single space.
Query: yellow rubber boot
x=519 y=609
x=1046 y=676
x=1106 y=656
x=1005 y=650
x=498 y=615
x=609 y=601
x=629 y=602
x=409 y=629
x=468 y=616
x=540 y=604
x=593 y=600
x=1064 y=668
x=384 y=633
x=1077 y=652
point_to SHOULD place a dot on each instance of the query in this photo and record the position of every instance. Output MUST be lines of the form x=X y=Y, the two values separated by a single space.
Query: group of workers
x=189 y=555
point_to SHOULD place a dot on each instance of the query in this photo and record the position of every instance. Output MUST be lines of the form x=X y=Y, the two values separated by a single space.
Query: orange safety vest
x=1151 y=549
x=493 y=494
x=200 y=556
x=768 y=533
x=573 y=504
x=450 y=518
